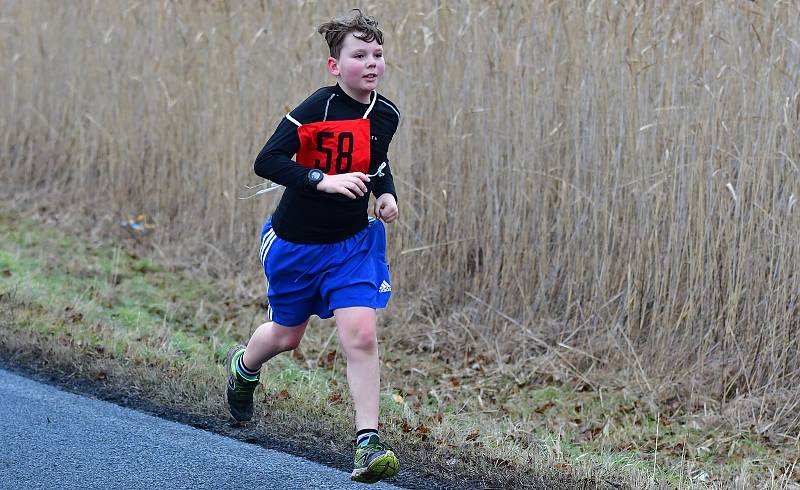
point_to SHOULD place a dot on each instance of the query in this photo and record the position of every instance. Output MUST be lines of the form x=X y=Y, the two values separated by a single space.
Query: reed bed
x=606 y=188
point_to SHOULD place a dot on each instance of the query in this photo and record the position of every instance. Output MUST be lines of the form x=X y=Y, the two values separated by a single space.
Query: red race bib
x=335 y=147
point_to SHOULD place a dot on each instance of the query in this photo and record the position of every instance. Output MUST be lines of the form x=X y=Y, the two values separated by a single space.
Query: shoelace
x=273 y=185
x=381 y=445
x=376 y=447
x=241 y=385
x=243 y=394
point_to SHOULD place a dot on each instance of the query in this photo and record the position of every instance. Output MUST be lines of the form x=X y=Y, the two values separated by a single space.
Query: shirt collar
x=338 y=90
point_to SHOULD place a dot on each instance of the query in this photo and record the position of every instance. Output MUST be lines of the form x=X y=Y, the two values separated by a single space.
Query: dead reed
x=610 y=187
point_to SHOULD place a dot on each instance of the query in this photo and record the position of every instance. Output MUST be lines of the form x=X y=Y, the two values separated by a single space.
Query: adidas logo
x=385 y=287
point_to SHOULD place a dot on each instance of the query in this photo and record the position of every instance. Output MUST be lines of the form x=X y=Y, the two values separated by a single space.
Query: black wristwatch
x=313 y=177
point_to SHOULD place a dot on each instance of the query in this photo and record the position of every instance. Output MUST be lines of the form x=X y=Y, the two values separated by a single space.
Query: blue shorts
x=311 y=279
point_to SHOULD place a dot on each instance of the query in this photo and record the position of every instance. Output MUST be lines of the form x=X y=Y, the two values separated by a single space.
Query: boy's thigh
x=361 y=278
x=293 y=293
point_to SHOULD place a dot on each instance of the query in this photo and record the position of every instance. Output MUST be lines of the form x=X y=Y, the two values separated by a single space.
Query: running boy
x=321 y=253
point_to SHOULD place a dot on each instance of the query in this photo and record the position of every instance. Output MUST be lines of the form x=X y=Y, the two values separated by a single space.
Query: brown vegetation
x=605 y=191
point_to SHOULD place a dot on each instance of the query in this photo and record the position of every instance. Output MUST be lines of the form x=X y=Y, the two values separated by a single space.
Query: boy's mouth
x=370 y=76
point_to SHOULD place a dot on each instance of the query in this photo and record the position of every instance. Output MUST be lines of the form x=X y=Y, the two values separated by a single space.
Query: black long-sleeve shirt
x=311 y=216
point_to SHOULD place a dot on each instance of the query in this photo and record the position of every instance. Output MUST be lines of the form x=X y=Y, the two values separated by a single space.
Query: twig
x=655 y=454
x=434 y=245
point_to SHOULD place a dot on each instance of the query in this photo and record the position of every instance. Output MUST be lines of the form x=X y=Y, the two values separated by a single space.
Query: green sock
x=245 y=372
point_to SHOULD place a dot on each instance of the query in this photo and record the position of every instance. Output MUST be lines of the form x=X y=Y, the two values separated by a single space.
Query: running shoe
x=374 y=461
x=239 y=391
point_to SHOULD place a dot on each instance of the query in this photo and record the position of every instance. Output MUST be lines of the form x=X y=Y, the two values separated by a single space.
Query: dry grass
x=603 y=192
x=132 y=327
x=107 y=309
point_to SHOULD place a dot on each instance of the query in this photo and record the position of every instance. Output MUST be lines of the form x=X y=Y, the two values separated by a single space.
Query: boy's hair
x=337 y=29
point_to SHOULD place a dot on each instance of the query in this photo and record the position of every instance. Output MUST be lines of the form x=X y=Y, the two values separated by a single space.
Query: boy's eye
x=379 y=55
x=359 y=55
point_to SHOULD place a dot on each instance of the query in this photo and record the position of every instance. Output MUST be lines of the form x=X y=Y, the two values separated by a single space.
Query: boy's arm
x=386 y=123
x=384 y=184
x=275 y=163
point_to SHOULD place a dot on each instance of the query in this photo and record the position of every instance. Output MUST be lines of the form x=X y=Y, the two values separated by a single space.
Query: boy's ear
x=333 y=66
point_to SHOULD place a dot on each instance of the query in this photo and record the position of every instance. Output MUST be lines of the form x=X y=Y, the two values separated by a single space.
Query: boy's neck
x=364 y=98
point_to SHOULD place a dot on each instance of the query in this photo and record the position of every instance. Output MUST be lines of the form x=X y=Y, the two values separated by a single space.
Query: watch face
x=315 y=175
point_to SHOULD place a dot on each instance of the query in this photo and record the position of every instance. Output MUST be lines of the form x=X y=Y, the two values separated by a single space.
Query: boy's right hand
x=351 y=184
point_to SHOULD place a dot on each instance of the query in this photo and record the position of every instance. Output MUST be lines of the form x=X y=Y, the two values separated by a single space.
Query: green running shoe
x=374 y=461
x=239 y=391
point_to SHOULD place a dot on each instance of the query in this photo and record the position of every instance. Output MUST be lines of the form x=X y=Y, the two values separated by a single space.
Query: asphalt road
x=53 y=439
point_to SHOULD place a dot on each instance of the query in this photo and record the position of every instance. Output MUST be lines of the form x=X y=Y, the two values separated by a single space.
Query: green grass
x=163 y=332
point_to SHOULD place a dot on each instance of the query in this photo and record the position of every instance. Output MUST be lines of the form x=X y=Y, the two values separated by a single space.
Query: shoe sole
x=228 y=360
x=386 y=466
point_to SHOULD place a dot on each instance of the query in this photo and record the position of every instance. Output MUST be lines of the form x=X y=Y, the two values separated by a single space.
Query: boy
x=320 y=251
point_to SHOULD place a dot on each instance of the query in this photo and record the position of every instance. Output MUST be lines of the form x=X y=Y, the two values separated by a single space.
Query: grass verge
x=154 y=331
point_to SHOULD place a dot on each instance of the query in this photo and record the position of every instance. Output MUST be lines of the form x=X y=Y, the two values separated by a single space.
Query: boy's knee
x=290 y=343
x=288 y=338
x=362 y=336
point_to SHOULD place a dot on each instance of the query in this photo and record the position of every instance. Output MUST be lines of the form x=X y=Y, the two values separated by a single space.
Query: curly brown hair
x=337 y=29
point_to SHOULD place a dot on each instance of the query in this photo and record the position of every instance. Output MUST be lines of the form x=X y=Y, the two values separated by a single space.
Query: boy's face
x=360 y=66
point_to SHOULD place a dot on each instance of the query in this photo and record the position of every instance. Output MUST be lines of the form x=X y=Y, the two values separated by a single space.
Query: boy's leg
x=358 y=338
x=374 y=459
x=269 y=340
x=244 y=364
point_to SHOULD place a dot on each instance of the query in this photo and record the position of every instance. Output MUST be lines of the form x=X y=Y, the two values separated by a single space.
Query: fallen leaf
x=284 y=393
x=473 y=435
x=590 y=433
x=330 y=358
x=298 y=355
x=397 y=398
x=422 y=431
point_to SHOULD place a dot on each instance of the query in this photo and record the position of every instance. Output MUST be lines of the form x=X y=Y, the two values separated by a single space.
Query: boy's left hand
x=386 y=208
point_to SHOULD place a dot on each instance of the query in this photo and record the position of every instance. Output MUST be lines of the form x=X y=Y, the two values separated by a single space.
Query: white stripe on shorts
x=269 y=239
x=266 y=251
x=266 y=238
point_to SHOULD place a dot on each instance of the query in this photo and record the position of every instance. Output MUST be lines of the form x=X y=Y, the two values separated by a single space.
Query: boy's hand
x=351 y=185
x=386 y=208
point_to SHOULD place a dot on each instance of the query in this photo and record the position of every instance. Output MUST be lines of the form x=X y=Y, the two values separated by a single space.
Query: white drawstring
x=273 y=186
x=262 y=191
x=255 y=186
